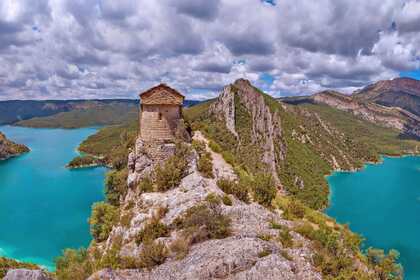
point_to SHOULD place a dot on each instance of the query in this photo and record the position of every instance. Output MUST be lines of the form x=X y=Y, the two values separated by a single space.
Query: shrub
x=115 y=186
x=208 y=218
x=286 y=255
x=205 y=165
x=294 y=209
x=152 y=230
x=264 y=189
x=171 y=173
x=264 y=253
x=73 y=265
x=145 y=185
x=385 y=265
x=240 y=191
x=213 y=198
x=126 y=219
x=286 y=238
x=275 y=225
x=215 y=147
x=226 y=200
x=180 y=247
x=103 y=217
x=153 y=253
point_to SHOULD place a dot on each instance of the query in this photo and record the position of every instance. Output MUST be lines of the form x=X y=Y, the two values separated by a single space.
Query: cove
x=44 y=207
x=382 y=203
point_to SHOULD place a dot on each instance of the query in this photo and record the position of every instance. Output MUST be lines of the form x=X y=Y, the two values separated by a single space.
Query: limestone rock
x=26 y=274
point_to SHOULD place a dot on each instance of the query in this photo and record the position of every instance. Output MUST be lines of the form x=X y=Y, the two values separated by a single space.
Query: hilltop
x=239 y=201
x=399 y=92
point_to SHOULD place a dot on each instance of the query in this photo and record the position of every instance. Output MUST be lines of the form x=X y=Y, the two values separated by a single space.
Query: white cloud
x=106 y=48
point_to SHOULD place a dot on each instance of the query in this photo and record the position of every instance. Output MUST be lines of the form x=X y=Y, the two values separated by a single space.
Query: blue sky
x=415 y=74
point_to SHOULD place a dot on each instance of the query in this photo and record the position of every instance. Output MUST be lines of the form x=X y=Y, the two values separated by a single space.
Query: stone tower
x=160 y=113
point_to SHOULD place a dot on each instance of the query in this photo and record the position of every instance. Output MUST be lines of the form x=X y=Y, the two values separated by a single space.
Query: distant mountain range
x=392 y=103
x=399 y=92
x=69 y=113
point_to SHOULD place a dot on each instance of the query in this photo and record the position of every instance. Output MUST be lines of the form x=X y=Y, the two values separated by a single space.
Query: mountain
x=9 y=149
x=70 y=113
x=239 y=202
x=394 y=117
x=399 y=92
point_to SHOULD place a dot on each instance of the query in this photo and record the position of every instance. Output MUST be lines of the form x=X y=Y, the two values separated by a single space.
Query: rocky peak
x=265 y=129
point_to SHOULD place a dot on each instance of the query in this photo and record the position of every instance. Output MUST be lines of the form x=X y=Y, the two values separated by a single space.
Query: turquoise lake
x=382 y=203
x=44 y=207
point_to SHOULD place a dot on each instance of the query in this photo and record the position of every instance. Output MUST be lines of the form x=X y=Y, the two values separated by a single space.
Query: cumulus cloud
x=57 y=49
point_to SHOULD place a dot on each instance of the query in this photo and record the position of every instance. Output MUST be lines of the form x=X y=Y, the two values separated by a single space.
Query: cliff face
x=9 y=149
x=399 y=92
x=392 y=117
x=265 y=126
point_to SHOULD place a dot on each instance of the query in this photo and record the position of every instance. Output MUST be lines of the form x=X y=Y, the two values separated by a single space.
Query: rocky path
x=221 y=168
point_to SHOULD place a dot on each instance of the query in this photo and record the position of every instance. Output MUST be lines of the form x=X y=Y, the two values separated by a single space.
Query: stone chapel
x=160 y=113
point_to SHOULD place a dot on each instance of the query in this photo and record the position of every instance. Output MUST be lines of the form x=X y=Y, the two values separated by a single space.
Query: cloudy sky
x=67 y=49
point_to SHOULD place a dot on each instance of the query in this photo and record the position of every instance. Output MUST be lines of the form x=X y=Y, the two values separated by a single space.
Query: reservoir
x=44 y=206
x=382 y=203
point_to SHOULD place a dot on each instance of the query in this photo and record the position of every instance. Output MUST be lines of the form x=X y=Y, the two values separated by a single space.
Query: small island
x=84 y=162
x=10 y=149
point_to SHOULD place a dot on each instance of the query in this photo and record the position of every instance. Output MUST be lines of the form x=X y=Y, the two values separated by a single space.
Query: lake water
x=44 y=207
x=382 y=203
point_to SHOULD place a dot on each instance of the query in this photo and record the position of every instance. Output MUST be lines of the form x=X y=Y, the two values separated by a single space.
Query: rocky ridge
x=235 y=257
x=399 y=92
x=10 y=149
x=392 y=117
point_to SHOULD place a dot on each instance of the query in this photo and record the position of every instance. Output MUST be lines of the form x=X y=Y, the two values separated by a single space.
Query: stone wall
x=158 y=122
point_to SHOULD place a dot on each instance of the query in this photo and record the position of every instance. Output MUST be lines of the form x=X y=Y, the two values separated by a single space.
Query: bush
x=385 y=265
x=145 y=185
x=103 y=217
x=215 y=147
x=115 y=186
x=126 y=218
x=171 y=173
x=207 y=217
x=180 y=247
x=153 y=253
x=73 y=265
x=264 y=253
x=152 y=230
x=286 y=238
x=205 y=165
x=240 y=191
x=294 y=210
x=264 y=189
x=226 y=200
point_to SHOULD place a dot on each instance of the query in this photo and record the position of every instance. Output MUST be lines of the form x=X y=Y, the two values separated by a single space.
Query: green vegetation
x=264 y=189
x=204 y=221
x=104 y=217
x=204 y=164
x=9 y=148
x=173 y=170
x=115 y=186
x=336 y=246
x=153 y=253
x=145 y=185
x=91 y=114
x=240 y=191
x=152 y=230
x=6 y=264
x=83 y=161
x=74 y=265
x=376 y=139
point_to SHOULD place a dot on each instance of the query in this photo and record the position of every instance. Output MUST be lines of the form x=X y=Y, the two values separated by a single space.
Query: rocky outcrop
x=26 y=274
x=250 y=252
x=392 y=117
x=400 y=92
x=10 y=149
x=266 y=126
